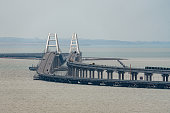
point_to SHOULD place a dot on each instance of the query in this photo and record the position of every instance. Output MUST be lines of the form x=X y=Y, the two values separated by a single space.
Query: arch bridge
x=79 y=72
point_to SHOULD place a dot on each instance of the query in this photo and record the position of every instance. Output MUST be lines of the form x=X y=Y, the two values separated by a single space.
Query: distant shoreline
x=13 y=41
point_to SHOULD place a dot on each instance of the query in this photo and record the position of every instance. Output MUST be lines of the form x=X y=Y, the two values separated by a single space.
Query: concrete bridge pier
x=134 y=75
x=165 y=77
x=100 y=74
x=148 y=76
x=69 y=71
x=77 y=72
x=90 y=74
x=73 y=72
x=93 y=73
x=121 y=75
x=81 y=73
x=86 y=73
x=109 y=74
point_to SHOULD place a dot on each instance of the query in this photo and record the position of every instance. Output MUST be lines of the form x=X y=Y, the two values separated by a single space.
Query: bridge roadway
x=77 y=68
x=46 y=63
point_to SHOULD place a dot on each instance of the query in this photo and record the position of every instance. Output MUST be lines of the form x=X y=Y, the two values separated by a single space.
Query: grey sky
x=132 y=20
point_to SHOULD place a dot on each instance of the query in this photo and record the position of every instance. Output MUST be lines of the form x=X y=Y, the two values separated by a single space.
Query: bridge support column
x=69 y=71
x=93 y=73
x=134 y=75
x=165 y=77
x=148 y=76
x=89 y=73
x=73 y=71
x=109 y=74
x=80 y=73
x=121 y=75
x=86 y=73
x=77 y=72
x=83 y=73
x=101 y=74
x=98 y=72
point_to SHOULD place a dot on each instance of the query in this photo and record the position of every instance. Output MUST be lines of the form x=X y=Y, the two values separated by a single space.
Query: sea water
x=19 y=93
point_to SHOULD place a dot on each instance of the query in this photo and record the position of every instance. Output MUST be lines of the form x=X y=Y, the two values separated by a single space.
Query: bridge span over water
x=81 y=73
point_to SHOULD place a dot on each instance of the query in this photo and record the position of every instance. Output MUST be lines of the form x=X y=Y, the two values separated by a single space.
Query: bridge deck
x=106 y=82
x=114 y=68
x=46 y=63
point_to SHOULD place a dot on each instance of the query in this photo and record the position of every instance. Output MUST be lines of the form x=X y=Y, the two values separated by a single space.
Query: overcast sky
x=129 y=20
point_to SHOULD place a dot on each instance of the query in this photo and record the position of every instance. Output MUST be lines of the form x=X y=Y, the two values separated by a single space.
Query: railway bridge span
x=79 y=72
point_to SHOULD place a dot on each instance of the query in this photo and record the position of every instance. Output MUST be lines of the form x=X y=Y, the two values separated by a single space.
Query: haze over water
x=125 y=20
x=21 y=94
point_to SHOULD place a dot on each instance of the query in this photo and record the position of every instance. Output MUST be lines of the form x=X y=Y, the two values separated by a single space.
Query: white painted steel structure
x=52 y=38
x=74 y=45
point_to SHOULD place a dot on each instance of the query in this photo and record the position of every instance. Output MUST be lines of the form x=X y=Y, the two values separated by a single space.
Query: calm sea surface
x=19 y=93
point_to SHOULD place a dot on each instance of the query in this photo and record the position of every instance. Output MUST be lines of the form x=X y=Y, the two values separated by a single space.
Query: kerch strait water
x=19 y=93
